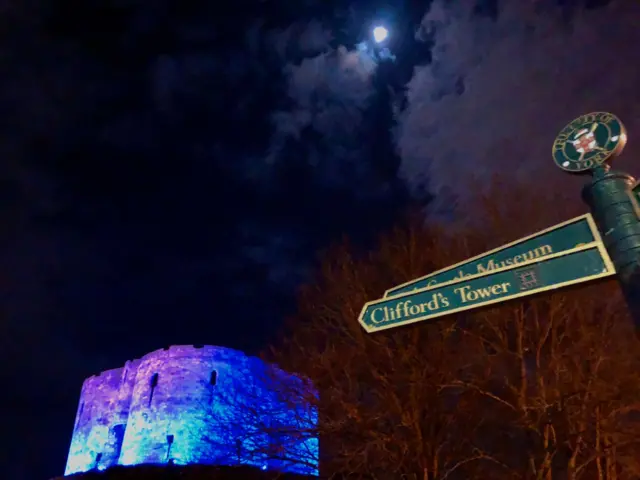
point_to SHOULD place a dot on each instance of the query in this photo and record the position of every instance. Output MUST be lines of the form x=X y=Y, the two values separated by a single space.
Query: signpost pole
x=531 y=265
x=589 y=144
x=616 y=211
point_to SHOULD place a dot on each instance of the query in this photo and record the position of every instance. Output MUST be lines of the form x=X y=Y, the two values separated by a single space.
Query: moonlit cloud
x=313 y=38
x=298 y=39
x=330 y=92
x=497 y=93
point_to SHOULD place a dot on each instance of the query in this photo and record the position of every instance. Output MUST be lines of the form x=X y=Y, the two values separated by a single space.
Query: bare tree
x=385 y=406
x=542 y=388
x=559 y=377
x=265 y=417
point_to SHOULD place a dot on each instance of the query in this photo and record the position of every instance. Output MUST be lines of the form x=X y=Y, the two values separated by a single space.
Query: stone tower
x=191 y=405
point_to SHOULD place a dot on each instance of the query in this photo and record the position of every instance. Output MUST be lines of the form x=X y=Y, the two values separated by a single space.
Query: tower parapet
x=102 y=407
x=186 y=404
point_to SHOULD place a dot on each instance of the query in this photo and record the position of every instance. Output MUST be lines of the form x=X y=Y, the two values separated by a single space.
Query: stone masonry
x=192 y=405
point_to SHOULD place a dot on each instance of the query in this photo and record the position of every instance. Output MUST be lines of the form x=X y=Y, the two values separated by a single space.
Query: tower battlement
x=184 y=404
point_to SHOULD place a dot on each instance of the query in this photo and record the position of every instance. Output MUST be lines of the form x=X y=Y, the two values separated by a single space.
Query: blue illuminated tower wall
x=192 y=405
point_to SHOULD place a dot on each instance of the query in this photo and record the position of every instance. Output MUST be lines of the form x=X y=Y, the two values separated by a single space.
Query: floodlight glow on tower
x=380 y=34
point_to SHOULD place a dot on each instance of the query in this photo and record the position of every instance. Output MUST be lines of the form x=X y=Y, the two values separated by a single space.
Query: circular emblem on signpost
x=589 y=141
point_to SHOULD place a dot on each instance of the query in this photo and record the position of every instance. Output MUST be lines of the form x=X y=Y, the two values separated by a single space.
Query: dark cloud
x=526 y=73
x=170 y=173
x=170 y=170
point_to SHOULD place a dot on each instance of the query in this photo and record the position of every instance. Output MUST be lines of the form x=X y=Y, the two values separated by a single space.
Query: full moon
x=380 y=34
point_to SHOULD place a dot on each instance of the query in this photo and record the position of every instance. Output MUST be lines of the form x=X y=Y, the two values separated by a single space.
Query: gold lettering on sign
x=516 y=259
x=587 y=162
x=408 y=309
x=467 y=294
x=588 y=118
x=605 y=117
x=560 y=141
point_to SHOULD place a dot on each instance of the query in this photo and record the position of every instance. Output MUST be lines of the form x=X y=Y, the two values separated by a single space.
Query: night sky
x=172 y=170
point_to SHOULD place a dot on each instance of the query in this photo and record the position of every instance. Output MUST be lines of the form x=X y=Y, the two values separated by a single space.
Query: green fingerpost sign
x=587 y=145
x=564 y=236
x=581 y=264
x=593 y=246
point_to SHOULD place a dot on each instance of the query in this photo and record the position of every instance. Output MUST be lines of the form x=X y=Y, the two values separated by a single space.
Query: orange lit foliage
x=543 y=388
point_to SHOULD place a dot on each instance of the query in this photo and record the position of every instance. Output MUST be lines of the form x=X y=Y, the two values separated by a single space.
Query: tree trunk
x=599 y=446
x=610 y=452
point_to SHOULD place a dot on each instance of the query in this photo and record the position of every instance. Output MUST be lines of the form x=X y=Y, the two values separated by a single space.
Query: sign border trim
x=597 y=245
x=587 y=216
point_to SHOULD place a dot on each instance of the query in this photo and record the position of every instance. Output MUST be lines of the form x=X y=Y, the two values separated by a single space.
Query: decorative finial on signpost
x=589 y=142
x=590 y=247
x=587 y=145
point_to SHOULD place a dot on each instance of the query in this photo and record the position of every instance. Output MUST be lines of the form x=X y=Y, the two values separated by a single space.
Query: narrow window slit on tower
x=154 y=384
x=239 y=449
x=169 y=444
x=213 y=379
x=117 y=437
